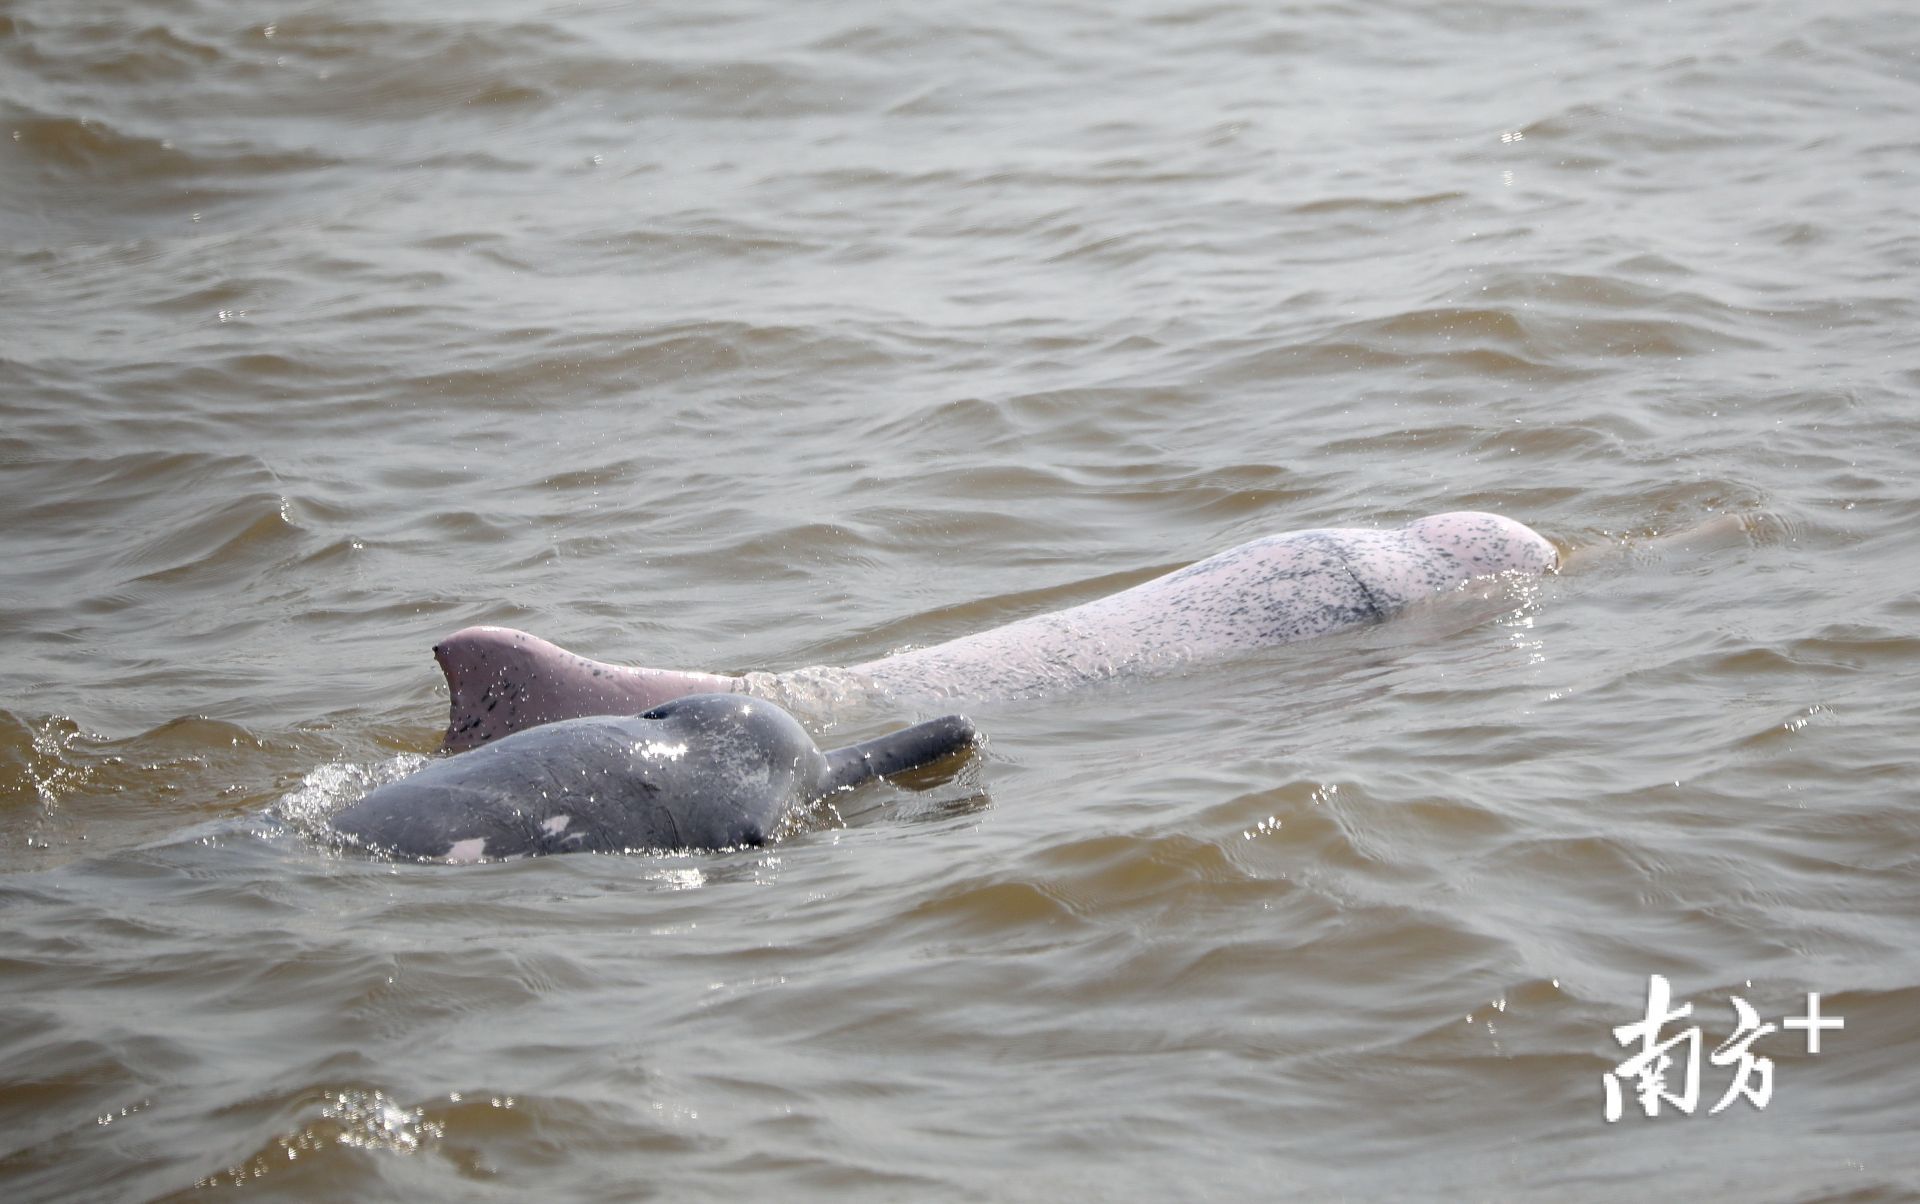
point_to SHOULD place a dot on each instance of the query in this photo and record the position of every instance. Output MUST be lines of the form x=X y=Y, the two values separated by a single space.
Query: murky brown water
x=739 y=335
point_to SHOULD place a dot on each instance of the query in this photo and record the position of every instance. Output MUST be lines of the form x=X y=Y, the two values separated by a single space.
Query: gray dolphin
x=708 y=771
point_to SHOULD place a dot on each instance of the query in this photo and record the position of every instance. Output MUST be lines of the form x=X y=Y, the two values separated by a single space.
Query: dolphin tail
x=908 y=748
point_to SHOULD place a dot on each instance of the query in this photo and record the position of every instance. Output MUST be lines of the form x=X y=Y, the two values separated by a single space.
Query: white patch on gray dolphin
x=708 y=771
x=1276 y=590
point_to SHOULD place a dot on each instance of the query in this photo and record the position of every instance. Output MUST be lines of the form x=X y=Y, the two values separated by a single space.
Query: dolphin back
x=896 y=752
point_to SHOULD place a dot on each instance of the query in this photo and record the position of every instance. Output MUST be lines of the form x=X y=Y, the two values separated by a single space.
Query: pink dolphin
x=1275 y=590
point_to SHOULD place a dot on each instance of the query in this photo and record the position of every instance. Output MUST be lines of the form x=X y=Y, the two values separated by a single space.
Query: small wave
x=1371 y=204
x=227 y=542
x=65 y=790
x=91 y=148
x=71 y=150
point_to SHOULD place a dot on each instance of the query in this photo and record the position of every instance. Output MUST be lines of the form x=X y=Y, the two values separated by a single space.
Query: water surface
x=746 y=336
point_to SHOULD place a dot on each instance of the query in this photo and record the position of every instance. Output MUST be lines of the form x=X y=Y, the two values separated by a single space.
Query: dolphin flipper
x=908 y=748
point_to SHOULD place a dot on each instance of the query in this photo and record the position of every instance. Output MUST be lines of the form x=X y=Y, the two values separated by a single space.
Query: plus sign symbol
x=1813 y=1023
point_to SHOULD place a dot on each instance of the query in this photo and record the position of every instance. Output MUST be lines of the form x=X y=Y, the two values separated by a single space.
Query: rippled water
x=745 y=336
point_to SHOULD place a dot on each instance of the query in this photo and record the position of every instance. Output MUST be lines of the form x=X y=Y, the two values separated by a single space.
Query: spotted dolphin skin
x=1282 y=589
x=708 y=771
x=1275 y=590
